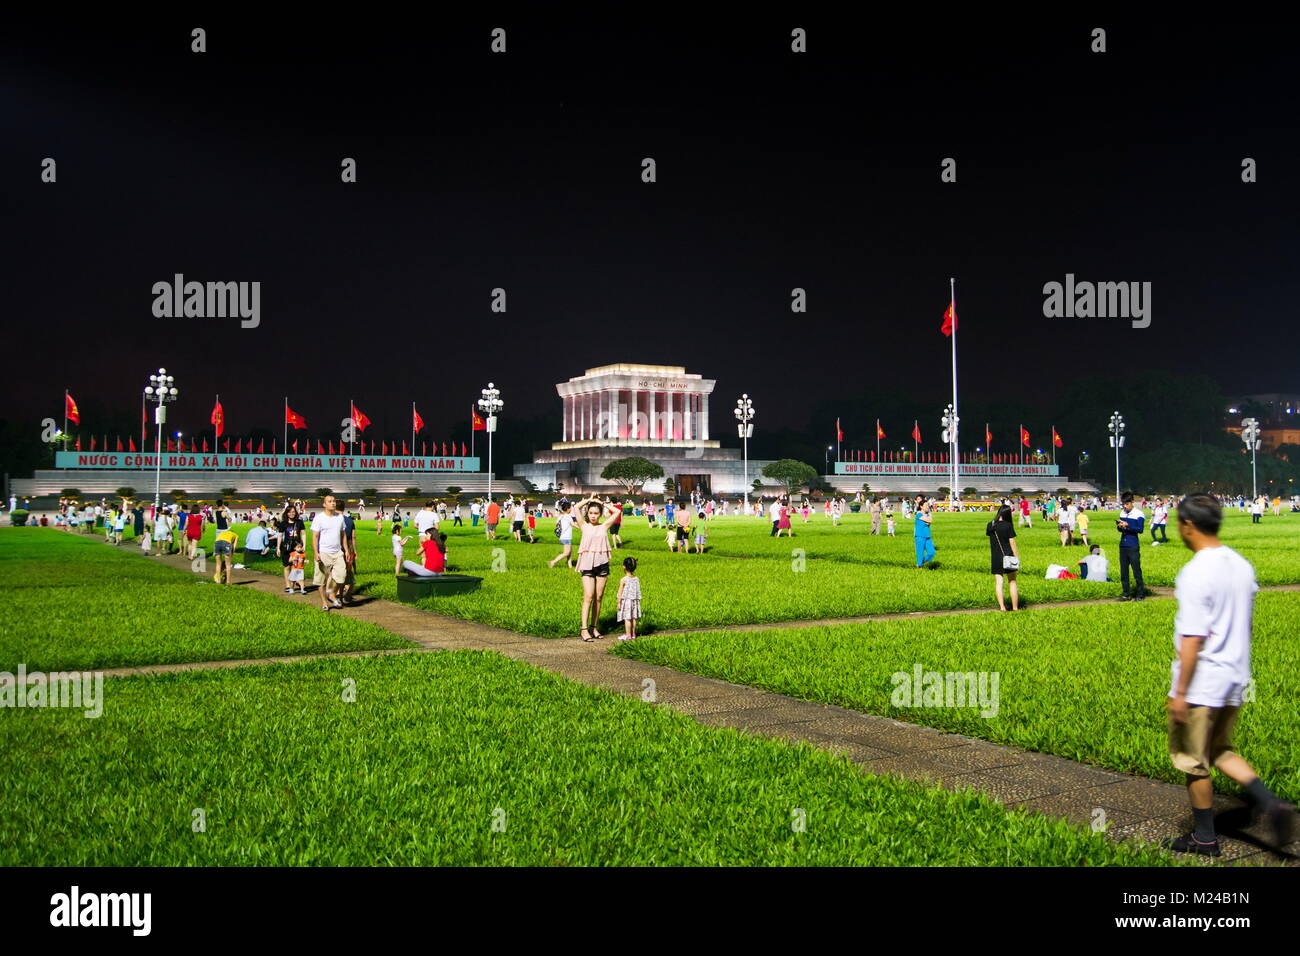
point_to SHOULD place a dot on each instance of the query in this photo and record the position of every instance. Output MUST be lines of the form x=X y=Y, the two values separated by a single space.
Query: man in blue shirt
x=1130 y=524
x=257 y=541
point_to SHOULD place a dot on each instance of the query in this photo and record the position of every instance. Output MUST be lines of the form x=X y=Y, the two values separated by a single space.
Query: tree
x=71 y=493
x=670 y=486
x=633 y=472
x=370 y=492
x=322 y=492
x=453 y=489
x=793 y=474
x=125 y=491
x=944 y=491
x=177 y=493
x=969 y=493
x=229 y=492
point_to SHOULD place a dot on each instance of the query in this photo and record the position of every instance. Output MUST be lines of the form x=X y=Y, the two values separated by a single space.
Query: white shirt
x=331 y=532
x=1098 y=567
x=1216 y=601
x=425 y=520
x=774 y=509
x=473 y=508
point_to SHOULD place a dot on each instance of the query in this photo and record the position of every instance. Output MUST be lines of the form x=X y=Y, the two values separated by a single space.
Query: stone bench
x=411 y=588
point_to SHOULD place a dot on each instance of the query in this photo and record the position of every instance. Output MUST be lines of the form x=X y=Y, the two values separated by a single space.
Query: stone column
x=704 y=417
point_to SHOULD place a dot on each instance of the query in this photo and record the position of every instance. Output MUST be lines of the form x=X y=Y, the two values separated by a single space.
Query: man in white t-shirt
x=1094 y=567
x=426 y=518
x=1210 y=675
x=330 y=546
x=774 y=512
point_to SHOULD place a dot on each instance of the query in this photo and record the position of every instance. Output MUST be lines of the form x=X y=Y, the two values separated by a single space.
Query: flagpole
x=471 y=432
x=412 y=429
x=877 y=440
x=352 y=430
x=286 y=431
x=1021 y=446
x=916 y=451
x=952 y=492
x=1053 y=444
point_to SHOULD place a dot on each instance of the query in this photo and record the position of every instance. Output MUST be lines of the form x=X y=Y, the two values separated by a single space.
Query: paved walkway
x=1134 y=807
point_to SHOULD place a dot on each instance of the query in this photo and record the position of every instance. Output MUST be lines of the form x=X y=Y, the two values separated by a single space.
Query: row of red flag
x=359 y=419
x=916 y=434
x=242 y=446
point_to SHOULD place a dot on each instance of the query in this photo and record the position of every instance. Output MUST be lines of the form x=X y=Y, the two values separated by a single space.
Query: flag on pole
x=261 y=446
x=880 y=432
x=949 y=320
x=70 y=411
x=320 y=447
x=988 y=435
x=119 y=443
x=293 y=418
x=385 y=445
x=205 y=445
x=1024 y=436
x=444 y=449
x=219 y=419
x=404 y=451
x=295 y=446
x=916 y=433
x=477 y=421
x=130 y=443
x=171 y=445
x=78 y=445
x=92 y=442
x=463 y=450
x=839 y=432
x=1056 y=439
x=358 y=419
x=417 y=423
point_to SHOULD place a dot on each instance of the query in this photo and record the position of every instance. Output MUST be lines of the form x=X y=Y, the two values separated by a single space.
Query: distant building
x=657 y=412
x=1278 y=414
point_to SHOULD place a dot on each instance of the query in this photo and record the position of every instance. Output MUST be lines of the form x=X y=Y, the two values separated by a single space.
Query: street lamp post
x=161 y=389
x=1116 y=429
x=1250 y=436
x=745 y=430
x=949 y=422
x=490 y=404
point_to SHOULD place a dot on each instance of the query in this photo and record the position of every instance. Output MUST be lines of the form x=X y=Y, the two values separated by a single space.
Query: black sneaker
x=1189 y=844
x=1124 y=597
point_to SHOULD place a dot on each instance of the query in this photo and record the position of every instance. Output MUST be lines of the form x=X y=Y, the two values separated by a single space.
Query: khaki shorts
x=333 y=566
x=1199 y=744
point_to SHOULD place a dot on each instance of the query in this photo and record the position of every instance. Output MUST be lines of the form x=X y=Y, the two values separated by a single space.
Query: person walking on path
x=1130 y=524
x=1215 y=591
x=921 y=533
x=593 y=520
x=564 y=531
x=629 y=599
x=1002 y=544
x=329 y=546
x=783 y=525
x=1026 y=519
x=875 y=516
x=774 y=514
x=493 y=519
x=292 y=533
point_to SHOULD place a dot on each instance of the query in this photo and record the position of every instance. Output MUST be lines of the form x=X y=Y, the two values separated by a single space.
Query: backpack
x=558 y=522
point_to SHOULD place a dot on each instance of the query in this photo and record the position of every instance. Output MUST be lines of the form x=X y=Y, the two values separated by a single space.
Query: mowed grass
x=465 y=758
x=823 y=572
x=1087 y=683
x=70 y=602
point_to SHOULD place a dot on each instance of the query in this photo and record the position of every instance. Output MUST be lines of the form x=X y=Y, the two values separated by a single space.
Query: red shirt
x=434 y=559
x=494 y=513
x=194 y=527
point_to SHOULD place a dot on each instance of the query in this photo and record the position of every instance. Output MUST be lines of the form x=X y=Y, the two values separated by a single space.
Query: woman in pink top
x=593 y=519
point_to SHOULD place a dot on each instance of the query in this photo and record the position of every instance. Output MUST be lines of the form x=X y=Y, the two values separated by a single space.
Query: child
x=891 y=524
x=1081 y=526
x=629 y=599
x=398 y=543
x=434 y=547
x=296 y=562
x=701 y=532
x=532 y=524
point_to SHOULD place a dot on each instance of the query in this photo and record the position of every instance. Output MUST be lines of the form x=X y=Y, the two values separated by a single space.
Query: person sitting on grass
x=1215 y=591
x=256 y=542
x=629 y=599
x=1094 y=567
x=434 y=548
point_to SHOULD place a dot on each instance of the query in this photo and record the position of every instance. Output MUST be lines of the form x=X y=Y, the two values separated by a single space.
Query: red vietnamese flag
x=949 y=320
x=320 y=447
x=70 y=410
x=130 y=444
x=218 y=418
x=359 y=419
x=839 y=432
x=331 y=446
x=1024 y=436
x=417 y=423
x=384 y=445
x=261 y=446
x=463 y=450
x=295 y=446
x=293 y=418
x=1056 y=439
x=171 y=445
x=92 y=442
x=916 y=433
x=119 y=443
x=205 y=444
x=880 y=432
x=404 y=451
x=476 y=421
x=363 y=447
x=78 y=445
x=444 y=449
x=988 y=435
x=272 y=446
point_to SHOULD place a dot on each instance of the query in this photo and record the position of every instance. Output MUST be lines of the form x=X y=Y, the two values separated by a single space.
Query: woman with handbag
x=1005 y=557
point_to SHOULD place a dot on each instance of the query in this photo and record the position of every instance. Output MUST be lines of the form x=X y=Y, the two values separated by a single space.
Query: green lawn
x=1087 y=683
x=749 y=577
x=435 y=748
x=70 y=602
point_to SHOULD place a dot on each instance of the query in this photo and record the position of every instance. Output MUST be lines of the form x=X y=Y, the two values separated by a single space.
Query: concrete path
x=1131 y=807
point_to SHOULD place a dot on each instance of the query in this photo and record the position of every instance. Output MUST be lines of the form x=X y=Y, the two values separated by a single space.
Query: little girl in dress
x=629 y=599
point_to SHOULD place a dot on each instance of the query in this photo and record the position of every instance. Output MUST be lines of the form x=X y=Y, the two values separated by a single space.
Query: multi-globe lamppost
x=1250 y=436
x=490 y=404
x=161 y=389
x=949 y=423
x=1116 y=429
x=745 y=430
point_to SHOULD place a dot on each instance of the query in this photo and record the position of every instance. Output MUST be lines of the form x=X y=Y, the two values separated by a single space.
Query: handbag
x=1010 y=562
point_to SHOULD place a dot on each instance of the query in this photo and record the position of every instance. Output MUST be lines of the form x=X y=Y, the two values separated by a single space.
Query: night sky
x=523 y=171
